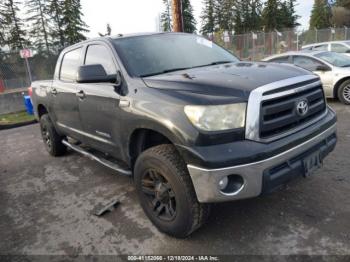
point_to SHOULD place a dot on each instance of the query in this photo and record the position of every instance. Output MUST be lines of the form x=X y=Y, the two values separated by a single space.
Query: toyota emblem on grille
x=302 y=107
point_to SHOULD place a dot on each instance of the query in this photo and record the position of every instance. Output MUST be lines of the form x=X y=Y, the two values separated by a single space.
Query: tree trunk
x=177 y=16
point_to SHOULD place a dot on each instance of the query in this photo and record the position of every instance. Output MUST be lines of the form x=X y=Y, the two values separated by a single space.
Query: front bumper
x=261 y=176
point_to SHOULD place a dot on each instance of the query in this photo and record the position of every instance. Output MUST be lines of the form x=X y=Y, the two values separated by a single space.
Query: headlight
x=217 y=118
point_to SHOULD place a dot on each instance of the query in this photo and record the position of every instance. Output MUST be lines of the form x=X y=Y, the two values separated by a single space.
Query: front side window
x=99 y=54
x=70 y=64
x=339 y=48
x=156 y=54
x=306 y=63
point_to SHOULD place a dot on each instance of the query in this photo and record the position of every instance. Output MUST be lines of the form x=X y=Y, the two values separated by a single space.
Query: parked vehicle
x=332 y=68
x=186 y=119
x=342 y=47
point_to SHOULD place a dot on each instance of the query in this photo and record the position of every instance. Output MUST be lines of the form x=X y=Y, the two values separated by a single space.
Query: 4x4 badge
x=302 y=107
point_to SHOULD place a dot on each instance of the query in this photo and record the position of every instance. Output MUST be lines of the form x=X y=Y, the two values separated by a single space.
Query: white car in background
x=342 y=47
x=333 y=69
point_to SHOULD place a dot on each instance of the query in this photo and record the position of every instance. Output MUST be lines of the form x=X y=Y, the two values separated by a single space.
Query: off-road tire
x=190 y=214
x=344 y=88
x=52 y=141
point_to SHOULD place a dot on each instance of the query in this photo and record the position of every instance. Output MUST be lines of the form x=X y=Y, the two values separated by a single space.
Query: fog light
x=231 y=184
x=223 y=183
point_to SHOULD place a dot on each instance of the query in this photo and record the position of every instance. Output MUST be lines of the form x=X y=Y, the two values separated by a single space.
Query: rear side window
x=70 y=64
x=283 y=59
x=99 y=54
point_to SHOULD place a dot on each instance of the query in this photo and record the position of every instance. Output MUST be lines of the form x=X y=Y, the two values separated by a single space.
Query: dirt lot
x=46 y=206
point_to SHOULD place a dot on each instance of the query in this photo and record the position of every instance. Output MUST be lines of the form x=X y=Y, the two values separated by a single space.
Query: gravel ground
x=46 y=208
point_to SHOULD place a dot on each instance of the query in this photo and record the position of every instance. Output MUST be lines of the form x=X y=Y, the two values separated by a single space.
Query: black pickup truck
x=186 y=119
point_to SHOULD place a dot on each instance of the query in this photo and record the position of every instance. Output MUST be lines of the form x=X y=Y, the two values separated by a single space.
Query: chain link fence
x=257 y=45
x=14 y=73
x=253 y=46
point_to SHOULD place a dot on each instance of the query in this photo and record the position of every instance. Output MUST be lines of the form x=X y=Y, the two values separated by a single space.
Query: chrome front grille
x=280 y=114
x=272 y=109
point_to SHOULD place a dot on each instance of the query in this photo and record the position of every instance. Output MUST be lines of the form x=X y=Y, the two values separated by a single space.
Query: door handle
x=81 y=94
x=54 y=91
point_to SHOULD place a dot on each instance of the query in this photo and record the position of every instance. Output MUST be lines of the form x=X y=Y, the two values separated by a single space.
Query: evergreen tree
x=247 y=16
x=2 y=26
x=208 y=17
x=321 y=15
x=165 y=18
x=13 y=25
x=254 y=15
x=74 y=26
x=56 y=11
x=289 y=12
x=224 y=14
x=189 y=22
x=39 y=19
x=270 y=15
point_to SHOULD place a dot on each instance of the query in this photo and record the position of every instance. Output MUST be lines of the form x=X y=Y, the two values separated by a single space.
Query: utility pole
x=177 y=16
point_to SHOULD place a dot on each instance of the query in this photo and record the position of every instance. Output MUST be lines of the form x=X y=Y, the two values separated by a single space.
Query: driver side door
x=311 y=64
x=99 y=103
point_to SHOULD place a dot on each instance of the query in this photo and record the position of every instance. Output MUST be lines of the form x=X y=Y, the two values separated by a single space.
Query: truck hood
x=234 y=79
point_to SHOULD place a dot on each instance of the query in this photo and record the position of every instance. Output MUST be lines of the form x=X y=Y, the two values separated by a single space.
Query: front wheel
x=166 y=192
x=344 y=92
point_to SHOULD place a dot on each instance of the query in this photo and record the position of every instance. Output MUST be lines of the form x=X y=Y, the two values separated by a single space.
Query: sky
x=135 y=16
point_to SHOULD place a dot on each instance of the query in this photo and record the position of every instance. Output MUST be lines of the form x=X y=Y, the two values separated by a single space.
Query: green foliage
x=74 y=26
x=38 y=12
x=13 y=33
x=208 y=17
x=56 y=11
x=247 y=16
x=189 y=22
x=278 y=14
x=321 y=15
x=166 y=17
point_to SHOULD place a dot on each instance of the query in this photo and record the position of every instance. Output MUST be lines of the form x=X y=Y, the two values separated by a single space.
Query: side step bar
x=102 y=161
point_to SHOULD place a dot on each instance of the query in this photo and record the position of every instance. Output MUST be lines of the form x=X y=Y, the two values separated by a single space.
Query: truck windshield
x=157 y=54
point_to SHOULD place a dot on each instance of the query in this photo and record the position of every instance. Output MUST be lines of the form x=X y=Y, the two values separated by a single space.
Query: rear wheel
x=52 y=141
x=166 y=192
x=344 y=92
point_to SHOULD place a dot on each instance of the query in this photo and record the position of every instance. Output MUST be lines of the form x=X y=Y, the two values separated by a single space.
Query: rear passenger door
x=63 y=94
x=99 y=106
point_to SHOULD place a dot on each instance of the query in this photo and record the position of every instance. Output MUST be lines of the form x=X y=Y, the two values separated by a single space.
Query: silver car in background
x=342 y=47
x=333 y=69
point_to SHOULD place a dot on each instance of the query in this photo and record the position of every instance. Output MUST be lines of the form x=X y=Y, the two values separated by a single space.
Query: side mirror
x=323 y=68
x=94 y=74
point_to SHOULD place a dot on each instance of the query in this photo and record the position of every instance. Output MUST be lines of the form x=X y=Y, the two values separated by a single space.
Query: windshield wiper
x=215 y=63
x=184 y=68
x=166 y=71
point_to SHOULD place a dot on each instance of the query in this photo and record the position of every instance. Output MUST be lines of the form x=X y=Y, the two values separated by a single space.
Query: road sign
x=26 y=53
